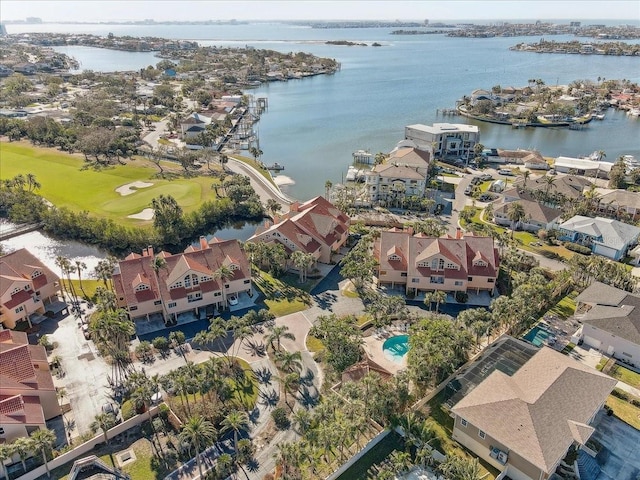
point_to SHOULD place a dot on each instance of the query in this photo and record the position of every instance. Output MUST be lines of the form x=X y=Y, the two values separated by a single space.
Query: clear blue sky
x=434 y=10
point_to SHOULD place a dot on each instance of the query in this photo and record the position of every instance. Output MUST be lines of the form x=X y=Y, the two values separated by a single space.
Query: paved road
x=265 y=189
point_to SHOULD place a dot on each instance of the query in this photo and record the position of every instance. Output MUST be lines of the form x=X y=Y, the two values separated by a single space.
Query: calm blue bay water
x=313 y=125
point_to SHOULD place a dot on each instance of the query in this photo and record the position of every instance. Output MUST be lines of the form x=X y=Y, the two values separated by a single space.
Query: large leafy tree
x=167 y=218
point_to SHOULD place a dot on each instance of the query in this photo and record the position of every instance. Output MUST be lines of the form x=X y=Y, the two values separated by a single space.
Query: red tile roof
x=19 y=409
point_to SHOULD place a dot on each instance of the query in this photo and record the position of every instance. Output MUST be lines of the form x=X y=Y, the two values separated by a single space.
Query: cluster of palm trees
x=40 y=441
x=271 y=257
x=340 y=426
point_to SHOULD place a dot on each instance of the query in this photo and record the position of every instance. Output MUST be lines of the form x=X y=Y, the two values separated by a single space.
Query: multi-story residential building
x=606 y=237
x=315 y=227
x=419 y=160
x=524 y=424
x=392 y=184
x=444 y=139
x=423 y=264
x=27 y=395
x=556 y=189
x=188 y=282
x=28 y=289
x=610 y=321
x=620 y=204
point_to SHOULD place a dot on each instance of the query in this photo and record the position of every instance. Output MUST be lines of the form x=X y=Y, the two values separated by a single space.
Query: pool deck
x=373 y=347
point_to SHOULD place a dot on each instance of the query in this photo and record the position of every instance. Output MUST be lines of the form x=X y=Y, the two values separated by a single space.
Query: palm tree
x=104 y=270
x=223 y=273
x=549 y=180
x=237 y=422
x=103 y=421
x=23 y=446
x=290 y=384
x=515 y=213
x=198 y=433
x=273 y=207
x=302 y=261
x=79 y=267
x=289 y=361
x=6 y=452
x=525 y=176
x=43 y=440
x=32 y=183
x=327 y=188
x=439 y=296
x=277 y=333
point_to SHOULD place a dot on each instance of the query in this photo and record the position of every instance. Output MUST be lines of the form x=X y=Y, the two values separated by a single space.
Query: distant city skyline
x=243 y=10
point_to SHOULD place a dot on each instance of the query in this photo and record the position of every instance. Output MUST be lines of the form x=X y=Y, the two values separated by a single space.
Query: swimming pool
x=538 y=336
x=395 y=348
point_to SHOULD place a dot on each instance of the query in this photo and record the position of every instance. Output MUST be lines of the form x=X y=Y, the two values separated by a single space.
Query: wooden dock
x=19 y=230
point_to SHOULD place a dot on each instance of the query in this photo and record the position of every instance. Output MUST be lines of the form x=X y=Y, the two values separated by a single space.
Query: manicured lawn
x=88 y=287
x=565 y=307
x=66 y=182
x=358 y=471
x=626 y=412
x=245 y=391
x=253 y=163
x=625 y=375
x=314 y=344
x=280 y=297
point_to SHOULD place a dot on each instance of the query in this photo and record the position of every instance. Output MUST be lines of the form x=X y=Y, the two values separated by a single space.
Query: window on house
x=35 y=274
x=20 y=309
x=481 y=434
x=463 y=422
x=415 y=280
x=234 y=267
x=133 y=308
x=470 y=279
x=438 y=280
x=172 y=305
x=247 y=281
x=458 y=283
x=403 y=274
x=490 y=280
x=157 y=302
x=383 y=272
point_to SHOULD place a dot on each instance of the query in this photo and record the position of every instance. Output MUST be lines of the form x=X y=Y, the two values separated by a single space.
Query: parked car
x=485 y=177
x=505 y=171
x=233 y=300
x=110 y=408
x=468 y=190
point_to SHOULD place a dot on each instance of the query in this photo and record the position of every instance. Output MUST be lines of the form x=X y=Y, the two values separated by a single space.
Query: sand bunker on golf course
x=146 y=214
x=130 y=188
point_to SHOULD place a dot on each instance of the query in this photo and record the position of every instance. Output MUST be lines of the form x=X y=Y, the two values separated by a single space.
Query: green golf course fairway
x=66 y=184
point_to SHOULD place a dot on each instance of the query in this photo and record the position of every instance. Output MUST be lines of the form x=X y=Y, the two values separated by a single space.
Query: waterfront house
x=392 y=184
x=537 y=215
x=183 y=284
x=27 y=395
x=610 y=322
x=525 y=423
x=446 y=140
x=583 y=166
x=562 y=187
x=607 y=237
x=410 y=157
x=315 y=227
x=424 y=264
x=28 y=289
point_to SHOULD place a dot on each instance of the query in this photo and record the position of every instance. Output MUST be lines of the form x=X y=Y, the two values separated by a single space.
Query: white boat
x=599 y=116
x=352 y=173
x=634 y=112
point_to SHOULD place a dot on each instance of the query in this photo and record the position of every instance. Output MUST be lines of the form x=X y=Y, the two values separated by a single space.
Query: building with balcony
x=28 y=289
x=445 y=140
x=315 y=227
x=425 y=264
x=525 y=423
x=27 y=395
x=537 y=215
x=391 y=185
x=190 y=282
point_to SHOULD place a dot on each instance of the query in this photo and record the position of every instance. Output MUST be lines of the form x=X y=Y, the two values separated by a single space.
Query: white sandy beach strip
x=281 y=180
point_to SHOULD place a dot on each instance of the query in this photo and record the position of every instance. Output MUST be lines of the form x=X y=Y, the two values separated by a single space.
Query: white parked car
x=233 y=300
